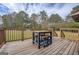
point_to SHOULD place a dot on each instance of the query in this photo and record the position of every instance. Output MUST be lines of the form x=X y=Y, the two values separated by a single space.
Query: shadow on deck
x=58 y=47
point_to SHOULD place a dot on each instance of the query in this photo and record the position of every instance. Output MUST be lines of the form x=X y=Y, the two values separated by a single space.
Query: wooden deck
x=58 y=47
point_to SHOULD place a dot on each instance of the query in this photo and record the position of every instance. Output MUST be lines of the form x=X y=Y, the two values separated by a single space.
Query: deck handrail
x=73 y=30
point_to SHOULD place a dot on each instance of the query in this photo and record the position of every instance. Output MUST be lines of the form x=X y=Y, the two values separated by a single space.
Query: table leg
x=39 y=42
x=33 y=38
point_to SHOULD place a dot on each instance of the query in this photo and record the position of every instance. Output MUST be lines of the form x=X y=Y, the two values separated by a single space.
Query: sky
x=63 y=9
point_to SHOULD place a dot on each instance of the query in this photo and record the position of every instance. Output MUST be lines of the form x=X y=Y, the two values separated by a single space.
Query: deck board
x=76 y=49
x=46 y=49
x=58 y=47
x=54 y=46
x=72 y=49
x=63 y=49
x=68 y=48
x=33 y=50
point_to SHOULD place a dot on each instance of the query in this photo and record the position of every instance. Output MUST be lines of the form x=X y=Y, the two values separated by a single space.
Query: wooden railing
x=20 y=34
x=17 y=34
x=68 y=33
x=11 y=34
x=7 y=35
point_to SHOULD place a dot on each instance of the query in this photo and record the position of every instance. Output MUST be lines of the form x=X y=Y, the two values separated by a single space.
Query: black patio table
x=42 y=38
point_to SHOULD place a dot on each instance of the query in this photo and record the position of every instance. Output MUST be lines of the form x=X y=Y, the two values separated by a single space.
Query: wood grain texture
x=58 y=47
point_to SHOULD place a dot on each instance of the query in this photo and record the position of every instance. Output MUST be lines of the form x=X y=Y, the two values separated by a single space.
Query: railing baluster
x=78 y=34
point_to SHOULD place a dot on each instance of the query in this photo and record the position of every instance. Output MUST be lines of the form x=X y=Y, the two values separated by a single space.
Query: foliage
x=69 y=18
x=66 y=25
x=75 y=9
x=55 y=18
x=43 y=15
x=44 y=18
x=22 y=20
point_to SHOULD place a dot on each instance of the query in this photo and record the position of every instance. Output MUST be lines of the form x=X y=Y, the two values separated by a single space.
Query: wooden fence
x=68 y=33
x=7 y=35
x=20 y=34
x=17 y=34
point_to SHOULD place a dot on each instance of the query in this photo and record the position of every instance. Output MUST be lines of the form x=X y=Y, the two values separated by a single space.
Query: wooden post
x=39 y=42
x=62 y=34
x=22 y=34
x=54 y=33
x=78 y=34
x=4 y=35
x=51 y=37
